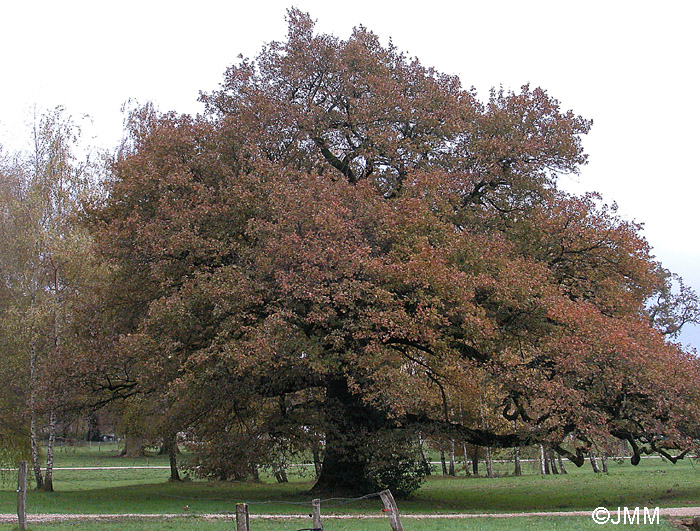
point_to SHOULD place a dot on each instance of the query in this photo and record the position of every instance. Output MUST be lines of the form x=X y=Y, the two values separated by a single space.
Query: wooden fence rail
x=390 y=507
x=242 y=511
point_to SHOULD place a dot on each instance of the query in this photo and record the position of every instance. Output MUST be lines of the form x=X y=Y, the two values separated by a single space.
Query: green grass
x=486 y=524
x=653 y=483
x=103 y=454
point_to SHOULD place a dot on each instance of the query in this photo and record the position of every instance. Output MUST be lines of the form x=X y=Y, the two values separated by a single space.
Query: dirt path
x=38 y=518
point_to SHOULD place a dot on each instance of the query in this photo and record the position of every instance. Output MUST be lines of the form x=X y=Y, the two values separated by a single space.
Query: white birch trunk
x=36 y=465
x=489 y=463
x=48 y=475
x=543 y=464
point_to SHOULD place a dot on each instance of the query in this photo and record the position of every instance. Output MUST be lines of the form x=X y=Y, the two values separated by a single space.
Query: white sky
x=631 y=66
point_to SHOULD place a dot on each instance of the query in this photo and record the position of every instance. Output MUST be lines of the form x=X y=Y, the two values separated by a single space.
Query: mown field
x=485 y=524
x=654 y=483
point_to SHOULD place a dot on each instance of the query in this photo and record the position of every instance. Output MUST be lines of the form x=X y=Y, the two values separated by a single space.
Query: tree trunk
x=562 y=470
x=475 y=461
x=316 y=451
x=452 y=458
x=466 y=458
x=280 y=469
x=552 y=461
x=166 y=448
x=442 y=460
x=594 y=463
x=169 y=447
x=93 y=429
x=36 y=465
x=516 y=458
x=544 y=469
x=349 y=422
x=426 y=464
x=174 y=474
x=134 y=446
x=489 y=463
x=48 y=474
x=604 y=460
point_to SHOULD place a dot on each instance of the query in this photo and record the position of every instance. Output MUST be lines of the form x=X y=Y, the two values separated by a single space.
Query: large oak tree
x=348 y=244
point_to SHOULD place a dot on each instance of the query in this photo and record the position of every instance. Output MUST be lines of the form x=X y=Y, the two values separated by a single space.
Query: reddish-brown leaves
x=346 y=214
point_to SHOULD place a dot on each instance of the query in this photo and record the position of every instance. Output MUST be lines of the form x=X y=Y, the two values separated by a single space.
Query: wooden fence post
x=22 y=495
x=242 y=517
x=392 y=509
x=316 y=515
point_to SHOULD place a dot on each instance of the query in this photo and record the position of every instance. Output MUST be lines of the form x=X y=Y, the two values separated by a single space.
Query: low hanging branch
x=637 y=451
x=578 y=458
x=481 y=437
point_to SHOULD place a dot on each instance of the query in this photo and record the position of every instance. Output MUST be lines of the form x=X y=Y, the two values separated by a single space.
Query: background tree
x=44 y=257
x=13 y=376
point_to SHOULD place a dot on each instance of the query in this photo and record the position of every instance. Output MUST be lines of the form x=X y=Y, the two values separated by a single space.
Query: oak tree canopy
x=349 y=247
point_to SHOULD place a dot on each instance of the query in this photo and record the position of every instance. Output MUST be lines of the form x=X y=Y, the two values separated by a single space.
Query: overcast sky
x=631 y=66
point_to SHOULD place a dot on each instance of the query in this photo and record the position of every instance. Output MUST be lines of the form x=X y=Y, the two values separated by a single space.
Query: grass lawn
x=653 y=483
x=485 y=524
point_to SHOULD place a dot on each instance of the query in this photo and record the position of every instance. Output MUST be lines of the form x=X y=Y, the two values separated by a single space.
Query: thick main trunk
x=349 y=426
x=134 y=446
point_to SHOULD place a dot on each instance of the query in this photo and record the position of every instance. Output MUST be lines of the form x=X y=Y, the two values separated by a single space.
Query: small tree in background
x=46 y=255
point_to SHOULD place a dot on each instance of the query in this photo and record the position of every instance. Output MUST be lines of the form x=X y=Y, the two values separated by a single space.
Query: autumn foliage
x=349 y=247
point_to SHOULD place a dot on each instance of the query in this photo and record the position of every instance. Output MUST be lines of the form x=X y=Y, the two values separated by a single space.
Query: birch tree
x=43 y=257
x=14 y=444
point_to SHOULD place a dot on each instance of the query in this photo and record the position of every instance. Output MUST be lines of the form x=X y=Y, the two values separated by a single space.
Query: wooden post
x=22 y=495
x=392 y=509
x=316 y=515
x=242 y=517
